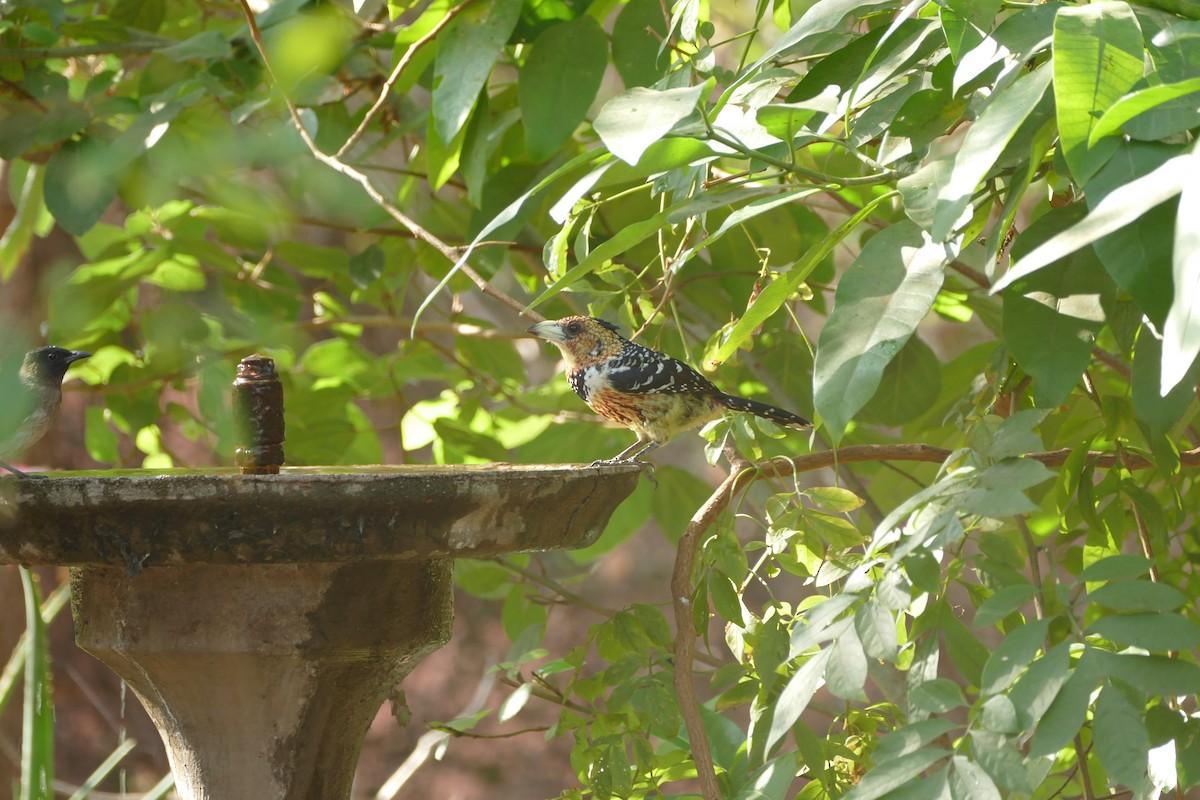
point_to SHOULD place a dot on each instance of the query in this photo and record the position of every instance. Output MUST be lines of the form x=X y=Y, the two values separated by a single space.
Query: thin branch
x=682 y=601
x=450 y=253
x=391 y=81
x=78 y=50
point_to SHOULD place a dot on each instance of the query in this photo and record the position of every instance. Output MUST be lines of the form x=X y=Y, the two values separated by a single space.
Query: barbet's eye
x=574 y=328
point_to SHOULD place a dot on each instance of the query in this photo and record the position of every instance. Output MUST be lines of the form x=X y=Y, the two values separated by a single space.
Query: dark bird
x=38 y=399
x=650 y=393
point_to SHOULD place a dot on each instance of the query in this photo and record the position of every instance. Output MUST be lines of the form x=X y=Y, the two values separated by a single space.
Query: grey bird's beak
x=78 y=355
x=548 y=330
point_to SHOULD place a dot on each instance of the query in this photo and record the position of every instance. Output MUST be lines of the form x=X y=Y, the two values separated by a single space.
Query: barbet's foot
x=645 y=466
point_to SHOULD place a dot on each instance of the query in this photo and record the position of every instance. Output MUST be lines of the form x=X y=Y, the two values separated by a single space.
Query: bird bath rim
x=139 y=519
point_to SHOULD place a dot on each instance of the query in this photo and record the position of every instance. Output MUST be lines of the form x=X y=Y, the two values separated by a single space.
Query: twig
x=403 y=62
x=430 y=740
x=364 y=181
x=685 y=631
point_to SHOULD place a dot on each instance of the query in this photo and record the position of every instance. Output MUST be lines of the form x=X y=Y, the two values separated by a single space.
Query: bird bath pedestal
x=263 y=619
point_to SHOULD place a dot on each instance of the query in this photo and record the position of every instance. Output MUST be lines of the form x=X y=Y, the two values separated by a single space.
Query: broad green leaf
x=79 y=185
x=780 y=290
x=1154 y=675
x=1181 y=331
x=1124 y=205
x=880 y=300
x=895 y=773
x=1097 y=58
x=877 y=630
x=206 y=45
x=1052 y=317
x=1161 y=631
x=1138 y=256
x=637 y=37
x=559 y=81
x=1120 y=737
x=910 y=738
x=464 y=60
x=1001 y=760
x=509 y=213
x=1000 y=488
x=816 y=624
x=937 y=696
x=1138 y=102
x=1003 y=602
x=1013 y=655
x=984 y=143
x=795 y=697
x=910 y=384
x=1037 y=689
x=846 y=671
x=1138 y=596
x=632 y=121
x=999 y=714
x=1116 y=568
x=969 y=781
x=1159 y=413
x=1066 y=713
x=741 y=215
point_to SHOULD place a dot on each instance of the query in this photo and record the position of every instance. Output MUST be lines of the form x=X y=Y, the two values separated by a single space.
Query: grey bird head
x=46 y=366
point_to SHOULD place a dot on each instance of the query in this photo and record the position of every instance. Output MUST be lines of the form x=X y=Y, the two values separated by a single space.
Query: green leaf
x=1163 y=631
x=637 y=37
x=796 y=696
x=969 y=781
x=559 y=81
x=205 y=46
x=894 y=773
x=1154 y=675
x=1066 y=713
x=1138 y=102
x=781 y=290
x=632 y=121
x=910 y=384
x=464 y=60
x=1003 y=602
x=1051 y=318
x=910 y=738
x=78 y=185
x=148 y=15
x=846 y=672
x=1123 y=205
x=984 y=143
x=877 y=630
x=1116 y=568
x=1012 y=656
x=1159 y=413
x=1039 y=686
x=1098 y=57
x=1138 y=596
x=1120 y=737
x=937 y=696
x=1138 y=256
x=1181 y=331
x=880 y=300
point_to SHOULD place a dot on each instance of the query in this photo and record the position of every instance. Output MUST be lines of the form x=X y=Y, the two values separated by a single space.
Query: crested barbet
x=650 y=393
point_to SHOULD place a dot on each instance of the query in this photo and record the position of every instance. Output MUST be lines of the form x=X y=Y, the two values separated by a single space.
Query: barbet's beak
x=78 y=355
x=548 y=330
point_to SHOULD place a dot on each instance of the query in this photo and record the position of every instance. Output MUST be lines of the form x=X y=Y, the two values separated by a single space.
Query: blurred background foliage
x=965 y=224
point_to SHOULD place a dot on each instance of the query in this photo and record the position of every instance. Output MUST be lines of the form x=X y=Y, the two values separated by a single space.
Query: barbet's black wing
x=640 y=370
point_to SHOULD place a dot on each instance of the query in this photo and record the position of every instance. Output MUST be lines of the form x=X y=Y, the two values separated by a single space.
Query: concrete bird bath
x=263 y=619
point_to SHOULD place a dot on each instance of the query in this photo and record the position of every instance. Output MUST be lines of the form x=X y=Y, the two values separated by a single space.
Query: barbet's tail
x=777 y=415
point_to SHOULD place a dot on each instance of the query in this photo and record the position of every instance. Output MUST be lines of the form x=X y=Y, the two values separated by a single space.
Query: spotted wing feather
x=639 y=370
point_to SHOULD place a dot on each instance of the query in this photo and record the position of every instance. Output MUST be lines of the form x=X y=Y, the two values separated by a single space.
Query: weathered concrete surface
x=263 y=619
x=301 y=516
x=263 y=679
